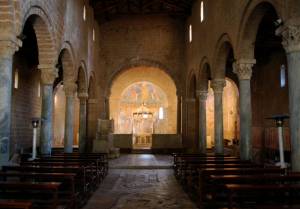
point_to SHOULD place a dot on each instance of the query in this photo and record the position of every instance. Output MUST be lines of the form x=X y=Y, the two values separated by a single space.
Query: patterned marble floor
x=140 y=188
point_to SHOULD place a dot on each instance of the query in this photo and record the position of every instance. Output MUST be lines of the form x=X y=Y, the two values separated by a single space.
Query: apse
x=143 y=102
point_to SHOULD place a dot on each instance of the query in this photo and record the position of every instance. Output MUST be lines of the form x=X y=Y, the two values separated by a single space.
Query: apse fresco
x=139 y=109
x=143 y=93
x=230 y=113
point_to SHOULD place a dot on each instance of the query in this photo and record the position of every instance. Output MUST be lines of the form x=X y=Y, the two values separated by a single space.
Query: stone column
x=179 y=114
x=218 y=86
x=243 y=69
x=70 y=90
x=202 y=95
x=291 y=42
x=48 y=75
x=82 y=121
x=7 y=49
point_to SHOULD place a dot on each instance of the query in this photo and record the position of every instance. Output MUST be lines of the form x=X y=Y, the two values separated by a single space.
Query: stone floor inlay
x=140 y=188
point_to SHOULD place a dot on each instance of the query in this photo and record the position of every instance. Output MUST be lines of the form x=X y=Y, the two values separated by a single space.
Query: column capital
x=9 y=47
x=290 y=33
x=83 y=96
x=243 y=68
x=48 y=74
x=70 y=88
x=202 y=95
x=218 y=85
x=190 y=100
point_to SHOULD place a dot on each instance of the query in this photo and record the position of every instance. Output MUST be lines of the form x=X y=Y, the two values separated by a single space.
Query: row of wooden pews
x=59 y=181
x=220 y=181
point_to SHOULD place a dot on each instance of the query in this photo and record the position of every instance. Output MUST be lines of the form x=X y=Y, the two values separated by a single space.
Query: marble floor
x=140 y=182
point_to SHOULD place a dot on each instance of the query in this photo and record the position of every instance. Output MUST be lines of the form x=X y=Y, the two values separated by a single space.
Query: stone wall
x=236 y=23
x=154 y=41
x=63 y=21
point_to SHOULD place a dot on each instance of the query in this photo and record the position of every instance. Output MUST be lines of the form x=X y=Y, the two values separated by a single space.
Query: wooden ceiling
x=106 y=10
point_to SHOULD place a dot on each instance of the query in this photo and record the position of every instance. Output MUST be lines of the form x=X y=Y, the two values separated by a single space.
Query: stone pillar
x=82 y=121
x=218 y=86
x=70 y=90
x=7 y=49
x=202 y=95
x=48 y=75
x=179 y=114
x=243 y=69
x=291 y=42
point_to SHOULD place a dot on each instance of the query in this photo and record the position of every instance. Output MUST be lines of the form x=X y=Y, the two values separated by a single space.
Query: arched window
x=282 y=76
x=94 y=38
x=190 y=33
x=84 y=13
x=16 y=79
x=161 y=113
x=202 y=11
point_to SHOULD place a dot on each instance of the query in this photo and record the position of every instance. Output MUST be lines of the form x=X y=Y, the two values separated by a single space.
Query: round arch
x=67 y=60
x=92 y=86
x=204 y=75
x=45 y=36
x=192 y=86
x=144 y=82
x=253 y=15
x=222 y=51
x=82 y=78
x=138 y=63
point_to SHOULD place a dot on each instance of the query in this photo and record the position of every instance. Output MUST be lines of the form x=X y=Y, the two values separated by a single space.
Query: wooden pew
x=189 y=175
x=92 y=173
x=281 y=192
x=11 y=204
x=204 y=175
x=102 y=166
x=215 y=184
x=80 y=179
x=67 y=193
x=42 y=194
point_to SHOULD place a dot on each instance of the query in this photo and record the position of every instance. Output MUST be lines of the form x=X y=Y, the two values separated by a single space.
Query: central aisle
x=133 y=186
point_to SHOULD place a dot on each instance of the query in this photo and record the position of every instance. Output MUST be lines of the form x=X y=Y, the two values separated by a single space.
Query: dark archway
x=26 y=93
x=269 y=87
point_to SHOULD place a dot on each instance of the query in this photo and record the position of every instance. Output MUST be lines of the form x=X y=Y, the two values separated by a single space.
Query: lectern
x=279 y=119
x=35 y=125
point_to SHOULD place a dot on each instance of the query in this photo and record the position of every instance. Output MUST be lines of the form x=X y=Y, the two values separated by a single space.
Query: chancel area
x=175 y=104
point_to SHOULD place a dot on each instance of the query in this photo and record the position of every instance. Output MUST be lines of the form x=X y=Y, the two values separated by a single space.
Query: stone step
x=144 y=167
x=141 y=151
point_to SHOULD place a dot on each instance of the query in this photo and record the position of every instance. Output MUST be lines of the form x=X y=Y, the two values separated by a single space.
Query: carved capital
x=290 y=33
x=202 y=95
x=70 y=88
x=83 y=95
x=9 y=47
x=243 y=68
x=218 y=85
x=48 y=75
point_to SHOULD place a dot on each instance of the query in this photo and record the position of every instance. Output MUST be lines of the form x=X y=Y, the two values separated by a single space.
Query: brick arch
x=92 y=86
x=222 y=50
x=45 y=37
x=192 y=85
x=69 y=74
x=252 y=16
x=10 y=13
x=138 y=63
x=82 y=78
x=204 y=74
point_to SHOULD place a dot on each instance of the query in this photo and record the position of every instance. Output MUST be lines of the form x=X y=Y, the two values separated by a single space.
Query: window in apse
x=161 y=113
